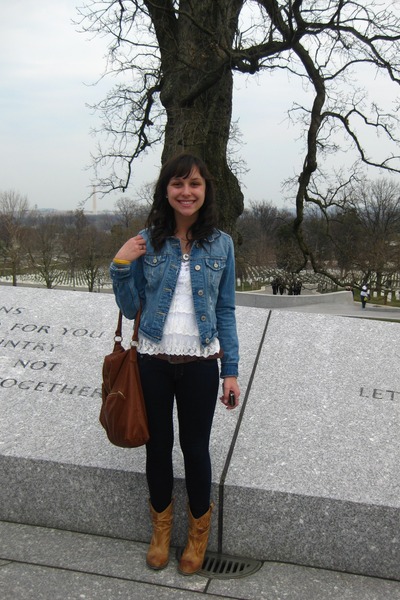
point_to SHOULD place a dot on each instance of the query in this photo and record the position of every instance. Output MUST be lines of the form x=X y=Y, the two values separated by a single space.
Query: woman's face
x=186 y=195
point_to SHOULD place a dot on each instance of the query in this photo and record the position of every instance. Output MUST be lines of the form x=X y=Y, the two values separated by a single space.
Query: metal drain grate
x=222 y=566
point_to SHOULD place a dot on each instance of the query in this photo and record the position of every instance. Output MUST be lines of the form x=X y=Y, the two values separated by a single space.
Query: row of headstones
x=389 y=296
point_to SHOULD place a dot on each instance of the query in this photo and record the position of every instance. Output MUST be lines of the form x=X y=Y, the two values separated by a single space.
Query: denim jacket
x=151 y=280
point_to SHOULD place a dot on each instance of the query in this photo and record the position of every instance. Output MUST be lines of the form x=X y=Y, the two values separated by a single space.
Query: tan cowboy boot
x=193 y=555
x=158 y=553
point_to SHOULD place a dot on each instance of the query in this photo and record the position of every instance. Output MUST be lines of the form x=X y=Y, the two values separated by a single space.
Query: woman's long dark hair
x=161 y=219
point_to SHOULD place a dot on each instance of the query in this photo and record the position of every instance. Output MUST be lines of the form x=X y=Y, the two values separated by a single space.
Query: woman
x=180 y=269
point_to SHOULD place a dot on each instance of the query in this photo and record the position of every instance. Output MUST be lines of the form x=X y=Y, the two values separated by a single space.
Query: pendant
x=185 y=257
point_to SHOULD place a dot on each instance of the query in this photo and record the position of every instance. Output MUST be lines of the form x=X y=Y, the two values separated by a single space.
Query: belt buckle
x=173 y=360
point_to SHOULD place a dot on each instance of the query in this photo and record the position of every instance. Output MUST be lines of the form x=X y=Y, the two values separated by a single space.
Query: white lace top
x=181 y=333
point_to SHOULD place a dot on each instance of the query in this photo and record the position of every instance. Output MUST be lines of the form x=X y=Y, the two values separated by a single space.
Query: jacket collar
x=213 y=236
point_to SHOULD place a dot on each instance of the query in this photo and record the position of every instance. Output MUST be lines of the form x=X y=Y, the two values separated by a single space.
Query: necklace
x=185 y=255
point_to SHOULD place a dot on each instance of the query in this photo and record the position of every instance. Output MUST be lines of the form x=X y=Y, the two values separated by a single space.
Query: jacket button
x=154 y=260
x=216 y=265
x=200 y=293
x=207 y=340
x=203 y=318
x=197 y=268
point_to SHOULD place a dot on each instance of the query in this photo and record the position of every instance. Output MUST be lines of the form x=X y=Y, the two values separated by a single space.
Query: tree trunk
x=379 y=282
x=203 y=128
x=196 y=92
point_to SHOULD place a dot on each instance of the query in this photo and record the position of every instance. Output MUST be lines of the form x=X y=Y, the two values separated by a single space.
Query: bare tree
x=288 y=253
x=346 y=236
x=71 y=241
x=378 y=209
x=45 y=250
x=128 y=213
x=257 y=229
x=13 y=213
x=130 y=216
x=95 y=252
x=181 y=56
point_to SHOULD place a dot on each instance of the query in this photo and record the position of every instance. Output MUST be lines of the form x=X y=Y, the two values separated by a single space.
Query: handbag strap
x=118 y=331
x=137 y=323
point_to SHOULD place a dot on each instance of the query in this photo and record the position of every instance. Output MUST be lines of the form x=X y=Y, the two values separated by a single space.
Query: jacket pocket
x=154 y=268
x=214 y=269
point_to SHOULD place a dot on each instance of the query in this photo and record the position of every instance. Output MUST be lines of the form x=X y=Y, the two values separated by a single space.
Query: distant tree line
x=58 y=247
x=357 y=242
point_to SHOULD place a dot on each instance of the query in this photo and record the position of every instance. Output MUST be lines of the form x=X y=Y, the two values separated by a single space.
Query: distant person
x=297 y=287
x=281 y=286
x=181 y=269
x=275 y=286
x=364 y=295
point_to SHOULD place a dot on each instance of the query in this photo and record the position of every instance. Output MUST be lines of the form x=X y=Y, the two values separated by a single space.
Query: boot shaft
x=193 y=555
x=158 y=553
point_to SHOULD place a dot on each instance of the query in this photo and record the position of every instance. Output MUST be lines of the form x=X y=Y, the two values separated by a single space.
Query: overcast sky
x=46 y=71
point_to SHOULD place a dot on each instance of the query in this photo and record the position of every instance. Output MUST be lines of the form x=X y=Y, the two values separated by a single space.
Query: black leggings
x=195 y=387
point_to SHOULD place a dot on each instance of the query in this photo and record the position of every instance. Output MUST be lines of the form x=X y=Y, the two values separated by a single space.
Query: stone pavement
x=38 y=563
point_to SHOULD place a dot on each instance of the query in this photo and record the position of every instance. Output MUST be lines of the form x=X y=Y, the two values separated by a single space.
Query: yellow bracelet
x=121 y=261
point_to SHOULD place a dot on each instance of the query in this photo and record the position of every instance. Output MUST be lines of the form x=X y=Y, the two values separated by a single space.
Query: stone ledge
x=312 y=474
x=263 y=300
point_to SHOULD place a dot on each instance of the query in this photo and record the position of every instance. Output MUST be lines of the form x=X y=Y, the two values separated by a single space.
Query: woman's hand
x=132 y=249
x=230 y=384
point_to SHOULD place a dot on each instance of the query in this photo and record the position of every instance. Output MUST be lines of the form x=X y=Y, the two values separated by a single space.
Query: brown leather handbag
x=123 y=412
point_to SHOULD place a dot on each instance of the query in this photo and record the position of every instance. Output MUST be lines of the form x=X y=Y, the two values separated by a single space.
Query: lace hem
x=178 y=346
